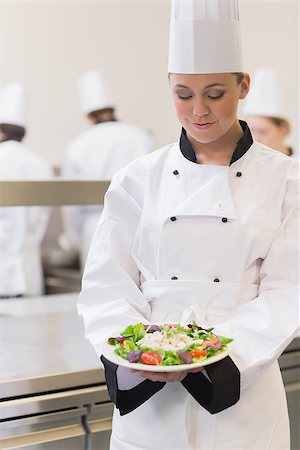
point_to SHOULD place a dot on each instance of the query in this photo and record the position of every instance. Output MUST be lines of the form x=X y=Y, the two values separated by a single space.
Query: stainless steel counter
x=52 y=387
x=41 y=339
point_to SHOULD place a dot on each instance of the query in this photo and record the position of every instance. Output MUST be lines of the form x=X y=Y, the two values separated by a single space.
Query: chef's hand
x=166 y=377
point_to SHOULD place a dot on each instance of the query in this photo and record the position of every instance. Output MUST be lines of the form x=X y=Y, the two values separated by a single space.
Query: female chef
x=203 y=229
x=264 y=112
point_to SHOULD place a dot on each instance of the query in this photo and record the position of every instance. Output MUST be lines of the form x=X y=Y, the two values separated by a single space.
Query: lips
x=202 y=125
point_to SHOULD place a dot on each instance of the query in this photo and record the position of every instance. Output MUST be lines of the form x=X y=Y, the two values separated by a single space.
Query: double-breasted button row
x=173 y=218
x=216 y=280
x=238 y=174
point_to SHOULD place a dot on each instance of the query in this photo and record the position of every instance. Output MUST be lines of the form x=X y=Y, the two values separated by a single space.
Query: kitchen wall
x=48 y=44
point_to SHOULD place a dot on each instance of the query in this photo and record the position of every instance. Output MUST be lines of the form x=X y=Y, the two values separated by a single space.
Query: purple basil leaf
x=118 y=339
x=134 y=356
x=154 y=328
x=185 y=357
x=190 y=325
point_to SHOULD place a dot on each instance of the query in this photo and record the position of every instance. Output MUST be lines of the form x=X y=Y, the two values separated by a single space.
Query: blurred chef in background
x=21 y=228
x=264 y=113
x=97 y=154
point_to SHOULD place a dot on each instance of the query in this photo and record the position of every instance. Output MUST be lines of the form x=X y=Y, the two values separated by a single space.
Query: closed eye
x=216 y=97
x=184 y=97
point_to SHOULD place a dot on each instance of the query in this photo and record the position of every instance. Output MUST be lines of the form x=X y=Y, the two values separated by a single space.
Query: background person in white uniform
x=98 y=153
x=21 y=228
x=204 y=229
x=264 y=114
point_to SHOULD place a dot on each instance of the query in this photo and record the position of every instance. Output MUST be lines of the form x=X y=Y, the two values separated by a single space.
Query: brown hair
x=102 y=115
x=239 y=76
x=13 y=132
x=279 y=122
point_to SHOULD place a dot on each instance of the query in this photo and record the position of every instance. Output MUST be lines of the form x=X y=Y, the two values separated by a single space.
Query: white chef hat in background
x=205 y=37
x=93 y=93
x=13 y=105
x=263 y=98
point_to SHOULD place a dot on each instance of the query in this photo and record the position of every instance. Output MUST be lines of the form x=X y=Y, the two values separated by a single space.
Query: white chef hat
x=93 y=93
x=13 y=105
x=205 y=37
x=263 y=97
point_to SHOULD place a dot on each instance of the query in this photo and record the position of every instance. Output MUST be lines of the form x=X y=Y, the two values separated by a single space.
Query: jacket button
x=238 y=174
x=216 y=280
x=173 y=218
x=224 y=219
x=174 y=278
x=175 y=172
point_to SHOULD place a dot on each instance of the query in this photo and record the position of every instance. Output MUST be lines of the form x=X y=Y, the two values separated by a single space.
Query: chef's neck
x=219 y=151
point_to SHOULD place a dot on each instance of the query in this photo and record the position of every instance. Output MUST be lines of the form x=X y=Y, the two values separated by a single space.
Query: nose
x=200 y=108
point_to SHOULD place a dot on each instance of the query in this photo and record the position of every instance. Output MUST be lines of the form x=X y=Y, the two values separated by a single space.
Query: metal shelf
x=52 y=192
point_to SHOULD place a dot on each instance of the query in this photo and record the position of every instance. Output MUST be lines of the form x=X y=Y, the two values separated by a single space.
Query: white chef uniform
x=239 y=275
x=97 y=154
x=21 y=228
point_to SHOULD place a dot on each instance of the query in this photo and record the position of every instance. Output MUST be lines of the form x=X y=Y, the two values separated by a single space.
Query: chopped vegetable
x=152 y=328
x=134 y=356
x=151 y=358
x=197 y=353
x=212 y=343
x=186 y=357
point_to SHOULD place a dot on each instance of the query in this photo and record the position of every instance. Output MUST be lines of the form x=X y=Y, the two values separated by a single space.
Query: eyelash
x=209 y=96
x=217 y=97
x=184 y=98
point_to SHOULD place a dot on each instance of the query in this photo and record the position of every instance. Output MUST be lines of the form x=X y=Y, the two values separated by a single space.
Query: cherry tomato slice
x=151 y=358
x=170 y=325
x=211 y=342
x=197 y=353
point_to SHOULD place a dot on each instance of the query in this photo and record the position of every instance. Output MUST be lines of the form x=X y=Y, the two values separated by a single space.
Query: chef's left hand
x=166 y=377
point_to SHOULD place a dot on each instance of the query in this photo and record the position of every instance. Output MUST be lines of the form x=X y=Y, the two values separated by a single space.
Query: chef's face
x=206 y=104
x=266 y=132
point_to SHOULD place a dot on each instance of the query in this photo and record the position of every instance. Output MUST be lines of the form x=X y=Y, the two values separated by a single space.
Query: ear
x=284 y=129
x=244 y=86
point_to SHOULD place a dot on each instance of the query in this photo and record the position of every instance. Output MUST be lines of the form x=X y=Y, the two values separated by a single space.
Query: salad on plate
x=167 y=345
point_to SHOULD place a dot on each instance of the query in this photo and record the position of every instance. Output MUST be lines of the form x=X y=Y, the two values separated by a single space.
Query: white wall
x=48 y=44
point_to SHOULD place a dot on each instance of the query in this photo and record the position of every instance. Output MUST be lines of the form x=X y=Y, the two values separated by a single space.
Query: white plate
x=108 y=353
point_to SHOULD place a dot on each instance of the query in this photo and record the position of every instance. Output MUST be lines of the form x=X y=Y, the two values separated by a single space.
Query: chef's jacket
x=21 y=228
x=97 y=154
x=180 y=241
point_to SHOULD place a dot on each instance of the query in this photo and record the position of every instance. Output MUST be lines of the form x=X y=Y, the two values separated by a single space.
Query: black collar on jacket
x=242 y=147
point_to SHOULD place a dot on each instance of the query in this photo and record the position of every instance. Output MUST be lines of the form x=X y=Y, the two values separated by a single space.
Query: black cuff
x=127 y=401
x=221 y=392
